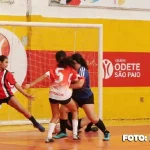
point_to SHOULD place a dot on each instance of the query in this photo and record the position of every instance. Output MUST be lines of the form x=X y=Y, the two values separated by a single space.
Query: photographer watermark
x=135 y=138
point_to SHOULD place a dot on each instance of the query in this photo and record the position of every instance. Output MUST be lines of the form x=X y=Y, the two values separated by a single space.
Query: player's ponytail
x=79 y=59
x=66 y=62
x=2 y=58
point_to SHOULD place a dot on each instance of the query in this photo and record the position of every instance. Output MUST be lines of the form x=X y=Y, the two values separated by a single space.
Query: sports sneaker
x=106 y=136
x=49 y=140
x=76 y=137
x=60 y=135
x=40 y=127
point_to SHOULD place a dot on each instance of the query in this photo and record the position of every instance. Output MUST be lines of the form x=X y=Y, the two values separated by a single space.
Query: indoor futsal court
x=27 y=138
x=92 y=62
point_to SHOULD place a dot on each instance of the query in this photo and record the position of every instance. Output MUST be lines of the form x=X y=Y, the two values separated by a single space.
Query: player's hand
x=27 y=86
x=30 y=97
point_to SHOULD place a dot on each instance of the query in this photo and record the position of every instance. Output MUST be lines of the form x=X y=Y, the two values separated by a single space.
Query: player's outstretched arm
x=36 y=81
x=19 y=88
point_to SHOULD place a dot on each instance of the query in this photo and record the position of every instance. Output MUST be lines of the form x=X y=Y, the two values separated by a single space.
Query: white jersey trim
x=3 y=86
x=48 y=73
x=82 y=71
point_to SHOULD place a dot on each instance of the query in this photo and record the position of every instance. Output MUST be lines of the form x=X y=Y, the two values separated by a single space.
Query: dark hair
x=3 y=57
x=79 y=59
x=59 y=55
x=66 y=62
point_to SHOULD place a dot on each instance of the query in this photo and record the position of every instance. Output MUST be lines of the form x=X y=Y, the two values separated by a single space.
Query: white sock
x=75 y=126
x=50 y=130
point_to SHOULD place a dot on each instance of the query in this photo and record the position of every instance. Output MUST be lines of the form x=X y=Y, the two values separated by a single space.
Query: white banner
x=137 y=4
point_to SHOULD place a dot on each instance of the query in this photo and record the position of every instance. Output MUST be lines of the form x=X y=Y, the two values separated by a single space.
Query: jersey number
x=61 y=76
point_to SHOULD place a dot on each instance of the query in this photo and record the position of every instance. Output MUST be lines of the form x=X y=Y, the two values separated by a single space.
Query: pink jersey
x=60 y=82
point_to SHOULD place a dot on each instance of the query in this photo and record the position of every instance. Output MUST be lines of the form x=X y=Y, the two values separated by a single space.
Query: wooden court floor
x=28 y=138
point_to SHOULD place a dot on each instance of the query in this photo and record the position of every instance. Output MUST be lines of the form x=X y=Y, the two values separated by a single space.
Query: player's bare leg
x=55 y=117
x=90 y=113
x=73 y=108
x=13 y=102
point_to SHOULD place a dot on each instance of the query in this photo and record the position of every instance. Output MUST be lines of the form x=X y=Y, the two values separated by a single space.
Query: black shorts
x=83 y=101
x=53 y=101
x=5 y=100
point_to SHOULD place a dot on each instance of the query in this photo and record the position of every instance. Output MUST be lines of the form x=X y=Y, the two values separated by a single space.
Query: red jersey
x=60 y=82
x=6 y=79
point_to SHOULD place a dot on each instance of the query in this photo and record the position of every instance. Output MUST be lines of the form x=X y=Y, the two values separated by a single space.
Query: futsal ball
x=57 y=128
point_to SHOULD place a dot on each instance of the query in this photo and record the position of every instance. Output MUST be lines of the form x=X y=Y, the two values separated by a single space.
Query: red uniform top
x=6 y=79
x=60 y=82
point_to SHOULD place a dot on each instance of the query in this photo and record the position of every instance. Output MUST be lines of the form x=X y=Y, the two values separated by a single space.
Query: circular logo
x=11 y=46
x=4 y=45
x=107 y=69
